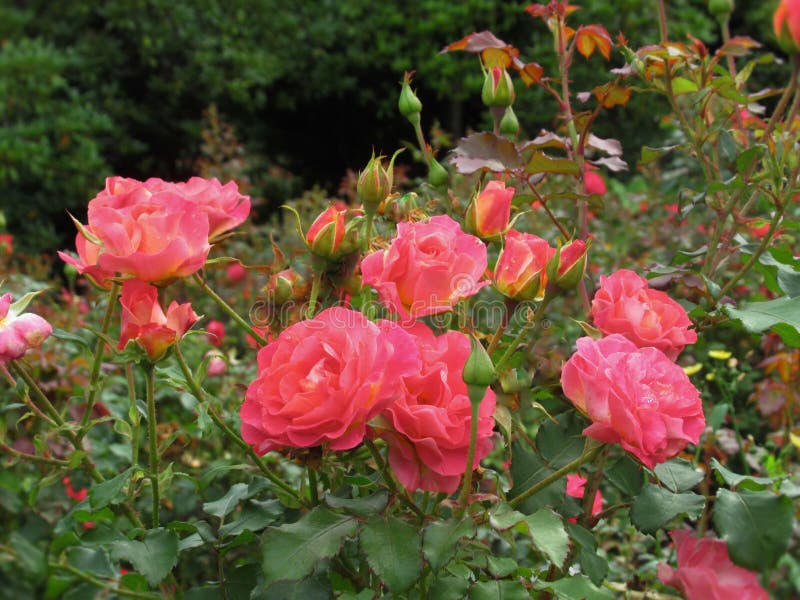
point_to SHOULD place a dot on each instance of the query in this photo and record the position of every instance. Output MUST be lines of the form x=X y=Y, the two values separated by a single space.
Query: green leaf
x=594 y=565
x=652 y=154
x=526 y=470
x=748 y=156
x=501 y=566
x=562 y=442
x=678 y=475
x=227 y=503
x=154 y=557
x=498 y=590
x=292 y=551
x=312 y=588
x=656 y=506
x=449 y=588
x=503 y=517
x=103 y=494
x=756 y=525
x=747 y=482
x=681 y=85
x=440 y=540
x=134 y=582
x=626 y=475
x=578 y=587
x=393 y=550
x=96 y=562
x=548 y=534
x=366 y=506
x=31 y=559
x=255 y=516
x=781 y=314
x=541 y=163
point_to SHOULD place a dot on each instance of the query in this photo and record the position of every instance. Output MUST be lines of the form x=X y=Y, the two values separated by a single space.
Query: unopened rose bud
x=720 y=8
x=515 y=381
x=437 y=174
x=566 y=268
x=398 y=208
x=375 y=182
x=409 y=105
x=489 y=211
x=335 y=232
x=478 y=371
x=286 y=285
x=509 y=124
x=498 y=89
x=520 y=271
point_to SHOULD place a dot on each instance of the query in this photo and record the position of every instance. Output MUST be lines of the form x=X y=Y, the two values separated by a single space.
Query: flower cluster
x=19 y=331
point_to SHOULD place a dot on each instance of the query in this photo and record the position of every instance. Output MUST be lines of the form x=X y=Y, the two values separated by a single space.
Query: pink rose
x=634 y=396
x=148 y=235
x=575 y=488
x=86 y=263
x=520 y=272
x=428 y=427
x=705 y=571
x=323 y=379
x=235 y=272
x=786 y=24
x=593 y=182
x=428 y=269
x=19 y=331
x=625 y=304
x=215 y=333
x=216 y=363
x=489 y=212
x=144 y=321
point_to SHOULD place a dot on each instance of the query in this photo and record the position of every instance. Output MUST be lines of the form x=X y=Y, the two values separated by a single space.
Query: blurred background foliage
x=282 y=95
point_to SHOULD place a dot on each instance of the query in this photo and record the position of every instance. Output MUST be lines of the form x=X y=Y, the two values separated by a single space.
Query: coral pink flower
x=144 y=321
x=428 y=269
x=323 y=379
x=86 y=263
x=19 y=331
x=625 y=304
x=575 y=487
x=634 y=396
x=593 y=182
x=520 y=271
x=786 y=24
x=428 y=428
x=489 y=212
x=705 y=571
x=215 y=333
x=235 y=272
x=6 y=243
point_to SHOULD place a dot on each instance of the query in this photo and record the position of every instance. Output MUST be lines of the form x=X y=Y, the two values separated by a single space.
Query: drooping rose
x=428 y=427
x=636 y=397
x=428 y=269
x=625 y=304
x=323 y=379
x=145 y=323
x=786 y=24
x=706 y=572
x=489 y=211
x=520 y=272
x=575 y=488
x=19 y=331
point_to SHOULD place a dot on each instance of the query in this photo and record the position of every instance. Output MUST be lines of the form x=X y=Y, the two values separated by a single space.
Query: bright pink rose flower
x=636 y=397
x=575 y=487
x=429 y=428
x=489 y=212
x=625 y=304
x=19 y=331
x=235 y=272
x=215 y=333
x=520 y=272
x=428 y=269
x=786 y=24
x=323 y=379
x=148 y=235
x=144 y=321
x=593 y=181
x=86 y=263
x=705 y=571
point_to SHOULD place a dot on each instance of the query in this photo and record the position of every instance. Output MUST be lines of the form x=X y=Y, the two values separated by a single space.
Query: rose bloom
x=428 y=428
x=428 y=269
x=705 y=571
x=235 y=272
x=634 y=396
x=6 y=243
x=489 y=212
x=575 y=487
x=86 y=263
x=323 y=379
x=216 y=363
x=19 y=331
x=625 y=304
x=786 y=24
x=520 y=272
x=593 y=182
x=215 y=333
x=144 y=321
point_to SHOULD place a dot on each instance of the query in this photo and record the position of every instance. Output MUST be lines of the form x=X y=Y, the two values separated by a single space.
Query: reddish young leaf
x=738 y=46
x=476 y=42
x=611 y=95
x=591 y=37
x=485 y=151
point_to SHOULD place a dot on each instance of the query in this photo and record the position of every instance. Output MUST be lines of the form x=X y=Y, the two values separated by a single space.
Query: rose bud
x=375 y=182
x=489 y=212
x=498 y=89
x=520 y=271
x=567 y=266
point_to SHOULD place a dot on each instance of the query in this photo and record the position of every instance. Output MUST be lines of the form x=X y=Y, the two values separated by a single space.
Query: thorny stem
x=550 y=214
x=26 y=398
x=316 y=283
x=473 y=440
x=134 y=414
x=105 y=584
x=389 y=479
x=150 y=393
x=45 y=460
x=229 y=311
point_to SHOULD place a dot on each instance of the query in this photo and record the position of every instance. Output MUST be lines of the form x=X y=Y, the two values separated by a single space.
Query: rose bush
x=428 y=268
x=636 y=397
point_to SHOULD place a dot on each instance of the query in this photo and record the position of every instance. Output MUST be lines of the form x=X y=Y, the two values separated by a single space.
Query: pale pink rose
x=575 y=488
x=428 y=269
x=520 y=272
x=149 y=235
x=428 y=428
x=323 y=379
x=216 y=364
x=636 y=397
x=215 y=333
x=625 y=304
x=144 y=321
x=705 y=571
x=19 y=331
x=489 y=212
x=86 y=263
